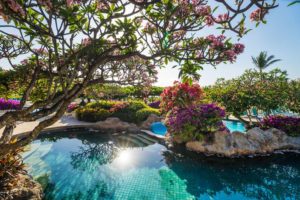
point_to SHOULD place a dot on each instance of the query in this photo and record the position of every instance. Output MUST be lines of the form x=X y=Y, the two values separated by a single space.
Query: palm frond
x=263 y=61
x=272 y=62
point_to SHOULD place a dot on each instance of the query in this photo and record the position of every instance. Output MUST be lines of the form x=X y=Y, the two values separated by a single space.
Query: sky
x=279 y=37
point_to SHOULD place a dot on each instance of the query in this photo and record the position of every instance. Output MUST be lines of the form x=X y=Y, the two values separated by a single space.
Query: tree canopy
x=240 y=95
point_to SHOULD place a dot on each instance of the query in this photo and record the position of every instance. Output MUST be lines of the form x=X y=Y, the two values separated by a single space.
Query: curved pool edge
x=161 y=137
x=69 y=128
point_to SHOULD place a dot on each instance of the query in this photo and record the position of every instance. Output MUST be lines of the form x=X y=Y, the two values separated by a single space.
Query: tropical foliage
x=75 y=44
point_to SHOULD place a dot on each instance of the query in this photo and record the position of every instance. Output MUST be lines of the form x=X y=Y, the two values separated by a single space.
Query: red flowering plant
x=180 y=95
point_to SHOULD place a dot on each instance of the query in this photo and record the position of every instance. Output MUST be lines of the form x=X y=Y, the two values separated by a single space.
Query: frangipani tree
x=240 y=95
x=77 y=43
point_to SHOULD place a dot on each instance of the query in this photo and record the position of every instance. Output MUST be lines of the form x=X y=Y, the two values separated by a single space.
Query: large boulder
x=114 y=124
x=151 y=119
x=255 y=141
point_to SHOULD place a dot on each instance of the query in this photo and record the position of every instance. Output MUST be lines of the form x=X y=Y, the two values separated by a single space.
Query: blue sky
x=280 y=37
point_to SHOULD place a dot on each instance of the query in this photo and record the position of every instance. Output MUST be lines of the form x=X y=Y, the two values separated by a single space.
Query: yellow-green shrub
x=131 y=111
x=144 y=113
x=92 y=114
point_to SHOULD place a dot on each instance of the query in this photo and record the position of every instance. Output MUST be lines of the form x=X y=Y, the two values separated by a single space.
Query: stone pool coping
x=67 y=121
x=148 y=132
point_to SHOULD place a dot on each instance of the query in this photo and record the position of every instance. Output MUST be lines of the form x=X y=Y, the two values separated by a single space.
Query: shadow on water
x=270 y=177
x=265 y=177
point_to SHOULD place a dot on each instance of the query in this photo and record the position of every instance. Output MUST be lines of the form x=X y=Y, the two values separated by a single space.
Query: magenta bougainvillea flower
x=205 y=118
x=9 y=104
x=290 y=125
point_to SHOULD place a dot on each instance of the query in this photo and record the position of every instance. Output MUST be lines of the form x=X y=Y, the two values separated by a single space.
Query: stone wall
x=254 y=142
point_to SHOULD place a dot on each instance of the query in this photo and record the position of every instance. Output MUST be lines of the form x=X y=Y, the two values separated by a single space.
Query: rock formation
x=255 y=141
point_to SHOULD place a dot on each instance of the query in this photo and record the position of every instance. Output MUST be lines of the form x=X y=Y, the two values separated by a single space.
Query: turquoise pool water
x=234 y=126
x=95 y=166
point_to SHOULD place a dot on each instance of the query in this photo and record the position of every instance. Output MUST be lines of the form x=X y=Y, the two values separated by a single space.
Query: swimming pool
x=234 y=126
x=85 y=165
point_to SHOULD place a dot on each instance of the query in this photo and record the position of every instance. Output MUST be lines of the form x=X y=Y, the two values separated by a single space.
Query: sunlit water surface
x=97 y=166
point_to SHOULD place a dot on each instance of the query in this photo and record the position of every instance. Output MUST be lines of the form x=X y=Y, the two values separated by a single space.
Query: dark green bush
x=92 y=114
x=144 y=113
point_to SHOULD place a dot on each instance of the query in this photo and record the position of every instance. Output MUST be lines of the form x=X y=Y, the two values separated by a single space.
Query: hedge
x=131 y=111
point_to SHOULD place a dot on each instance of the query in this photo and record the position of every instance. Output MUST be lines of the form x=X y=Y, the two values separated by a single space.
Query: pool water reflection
x=89 y=166
x=234 y=126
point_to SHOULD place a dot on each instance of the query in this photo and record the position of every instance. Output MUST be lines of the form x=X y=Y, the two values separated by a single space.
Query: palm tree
x=262 y=61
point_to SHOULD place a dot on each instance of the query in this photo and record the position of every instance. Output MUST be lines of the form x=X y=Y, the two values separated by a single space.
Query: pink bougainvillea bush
x=187 y=116
x=196 y=121
x=290 y=125
x=180 y=95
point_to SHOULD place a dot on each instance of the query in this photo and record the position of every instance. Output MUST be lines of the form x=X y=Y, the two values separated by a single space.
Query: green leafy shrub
x=144 y=113
x=102 y=104
x=126 y=111
x=266 y=92
x=136 y=105
x=131 y=111
x=92 y=114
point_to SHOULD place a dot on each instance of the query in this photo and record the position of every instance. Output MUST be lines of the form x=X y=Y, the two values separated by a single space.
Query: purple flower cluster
x=290 y=125
x=206 y=118
x=9 y=104
x=154 y=104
